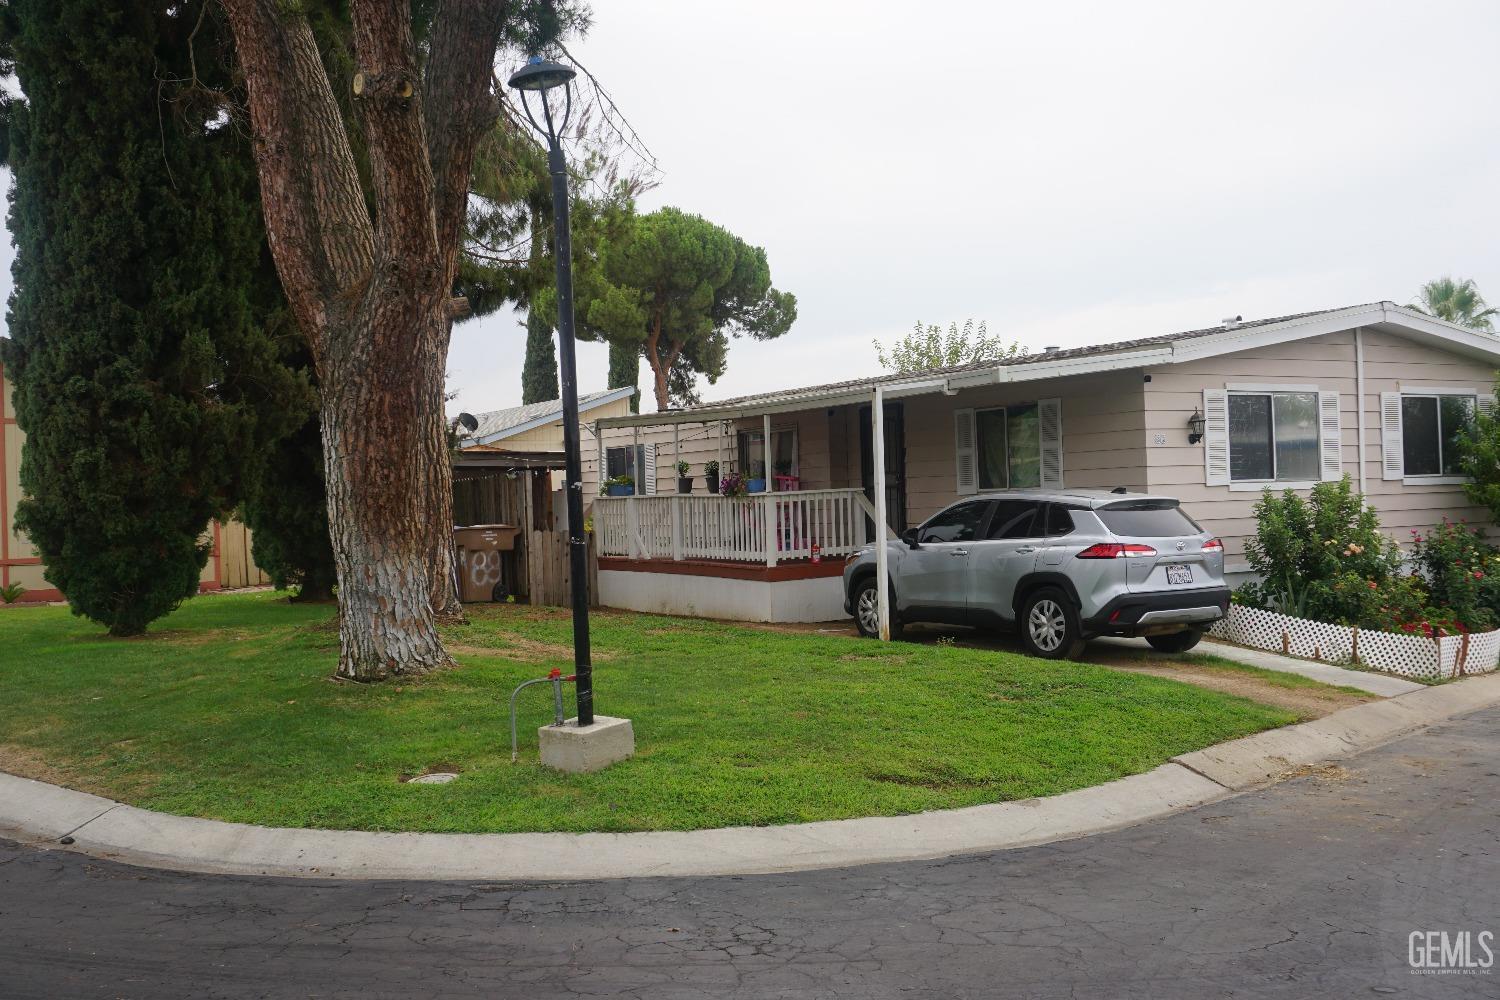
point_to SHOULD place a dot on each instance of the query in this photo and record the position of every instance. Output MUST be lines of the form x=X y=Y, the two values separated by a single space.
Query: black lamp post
x=540 y=76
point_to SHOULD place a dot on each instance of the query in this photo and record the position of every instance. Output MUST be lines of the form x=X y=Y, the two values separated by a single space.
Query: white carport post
x=877 y=443
x=765 y=452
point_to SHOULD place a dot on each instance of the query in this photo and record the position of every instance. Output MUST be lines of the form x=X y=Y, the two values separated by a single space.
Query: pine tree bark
x=373 y=295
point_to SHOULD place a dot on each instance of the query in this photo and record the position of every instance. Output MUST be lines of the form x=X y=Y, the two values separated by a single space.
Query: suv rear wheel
x=1177 y=642
x=1049 y=625
x=867 y=611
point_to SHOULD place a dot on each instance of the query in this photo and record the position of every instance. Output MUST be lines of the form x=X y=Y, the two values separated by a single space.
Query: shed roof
x=496 y=425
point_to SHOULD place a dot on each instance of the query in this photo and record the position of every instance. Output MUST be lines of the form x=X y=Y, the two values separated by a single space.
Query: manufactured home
x=1212 y=416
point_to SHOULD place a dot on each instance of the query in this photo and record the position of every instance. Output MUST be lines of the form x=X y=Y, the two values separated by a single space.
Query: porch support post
x=720 y=456
x=676 y=447
x=599 y=440
x=765 y=451
x=637 y=460
x=882 y=557
x=768 y=509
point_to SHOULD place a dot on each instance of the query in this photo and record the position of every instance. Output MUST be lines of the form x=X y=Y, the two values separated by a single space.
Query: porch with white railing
x=768 y=528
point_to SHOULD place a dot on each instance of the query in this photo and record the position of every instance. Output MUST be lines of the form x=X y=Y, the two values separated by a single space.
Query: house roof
x=1168 y=348
x=497 y=425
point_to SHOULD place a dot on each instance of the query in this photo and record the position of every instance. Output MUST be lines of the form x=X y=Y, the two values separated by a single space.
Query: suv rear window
x=1147 y=519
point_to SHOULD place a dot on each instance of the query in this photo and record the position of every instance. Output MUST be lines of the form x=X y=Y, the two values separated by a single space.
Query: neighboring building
x=537 y=427
x=230 y=565
x=1375 y=392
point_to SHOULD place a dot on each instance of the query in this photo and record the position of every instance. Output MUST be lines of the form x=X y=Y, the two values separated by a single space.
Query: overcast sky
x=1071 y=173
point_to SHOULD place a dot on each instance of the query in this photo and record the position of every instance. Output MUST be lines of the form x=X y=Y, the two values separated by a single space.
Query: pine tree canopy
x=676 y=287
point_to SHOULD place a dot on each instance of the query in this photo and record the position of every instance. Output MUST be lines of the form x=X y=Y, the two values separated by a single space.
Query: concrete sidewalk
x=36 y=812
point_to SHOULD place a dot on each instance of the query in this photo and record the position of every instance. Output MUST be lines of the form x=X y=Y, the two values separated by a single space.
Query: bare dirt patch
x=524 y=650
x=25 y=762
x=1307 y=702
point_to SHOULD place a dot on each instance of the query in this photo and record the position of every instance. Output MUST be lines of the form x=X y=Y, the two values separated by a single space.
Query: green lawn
x=226 y=710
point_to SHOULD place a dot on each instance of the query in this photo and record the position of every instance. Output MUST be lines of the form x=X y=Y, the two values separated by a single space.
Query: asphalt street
x=1311 y=888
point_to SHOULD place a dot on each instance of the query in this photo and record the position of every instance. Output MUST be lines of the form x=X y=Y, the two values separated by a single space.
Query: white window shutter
x=965 y=452
x=650 y=464
x=1049 y=421
x=1216 y=437
x=1392 y=463
x=1486 y=404
x=1330 y=434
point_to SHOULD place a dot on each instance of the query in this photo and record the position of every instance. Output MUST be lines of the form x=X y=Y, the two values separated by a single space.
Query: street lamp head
x=542 y=74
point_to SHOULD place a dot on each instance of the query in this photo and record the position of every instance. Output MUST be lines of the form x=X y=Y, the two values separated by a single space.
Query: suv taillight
x=1114 y=550
x=1213 y=545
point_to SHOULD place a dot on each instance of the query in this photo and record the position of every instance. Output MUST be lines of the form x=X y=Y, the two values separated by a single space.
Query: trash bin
x=482 y=561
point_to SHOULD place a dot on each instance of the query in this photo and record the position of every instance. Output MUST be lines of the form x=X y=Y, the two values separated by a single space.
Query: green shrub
x=1324 y=558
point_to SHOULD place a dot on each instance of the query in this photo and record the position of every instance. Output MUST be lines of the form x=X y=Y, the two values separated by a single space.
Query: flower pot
x=713 y=483
x=756 y=485
x=621 y=491
x=684 y=484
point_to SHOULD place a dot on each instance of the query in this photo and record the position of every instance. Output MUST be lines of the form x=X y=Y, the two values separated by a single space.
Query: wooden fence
x=538 y=568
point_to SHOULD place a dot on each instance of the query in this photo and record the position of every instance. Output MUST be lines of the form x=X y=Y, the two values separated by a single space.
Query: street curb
x=39 y=813
x=1254 y=760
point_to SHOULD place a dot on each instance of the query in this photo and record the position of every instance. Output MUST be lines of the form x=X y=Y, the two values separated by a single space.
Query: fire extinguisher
x=817 y=552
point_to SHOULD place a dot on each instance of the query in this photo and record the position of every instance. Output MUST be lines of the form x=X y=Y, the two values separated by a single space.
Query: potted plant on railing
x=734 y=485
x=684 y=481
x=619 y=486
x=711 y=476
x=756 y=483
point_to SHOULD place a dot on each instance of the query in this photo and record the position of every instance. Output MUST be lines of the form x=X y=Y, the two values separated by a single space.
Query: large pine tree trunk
x=373 y=294
x=379 y=480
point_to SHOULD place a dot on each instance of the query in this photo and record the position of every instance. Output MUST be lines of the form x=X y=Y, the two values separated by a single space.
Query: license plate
x=1179 y=574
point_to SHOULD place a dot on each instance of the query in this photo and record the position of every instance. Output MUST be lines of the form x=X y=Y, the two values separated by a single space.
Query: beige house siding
x=1103 y=441
x=699 y=444
x=1175 y=391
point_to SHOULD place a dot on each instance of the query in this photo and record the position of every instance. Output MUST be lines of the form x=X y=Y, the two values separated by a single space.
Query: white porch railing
x=765 y=527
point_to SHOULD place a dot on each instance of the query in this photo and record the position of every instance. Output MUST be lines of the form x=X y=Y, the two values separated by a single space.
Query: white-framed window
x=752 y=453
x=1420 y=427
x=1009 y=439
x=1007 y=447
x=625 y=460
x=1282 y=436
x=1273 y=437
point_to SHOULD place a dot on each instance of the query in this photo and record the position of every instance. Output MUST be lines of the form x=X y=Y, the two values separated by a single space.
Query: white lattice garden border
x=1392 y=652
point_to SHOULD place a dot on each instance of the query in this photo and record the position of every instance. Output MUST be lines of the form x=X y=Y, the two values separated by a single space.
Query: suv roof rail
x=1119 y=489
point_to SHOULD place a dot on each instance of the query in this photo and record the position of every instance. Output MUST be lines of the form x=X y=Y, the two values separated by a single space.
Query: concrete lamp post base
x=581 y=749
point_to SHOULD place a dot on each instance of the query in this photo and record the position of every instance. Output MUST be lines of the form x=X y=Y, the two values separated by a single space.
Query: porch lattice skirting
x=1391 y=652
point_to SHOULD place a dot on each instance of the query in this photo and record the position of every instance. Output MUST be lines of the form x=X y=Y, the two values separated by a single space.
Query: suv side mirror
x=909 y=536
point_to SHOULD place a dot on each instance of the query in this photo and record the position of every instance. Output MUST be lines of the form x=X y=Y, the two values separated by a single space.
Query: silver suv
x=1059 y=567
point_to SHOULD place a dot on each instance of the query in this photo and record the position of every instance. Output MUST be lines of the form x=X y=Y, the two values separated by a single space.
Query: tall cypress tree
x=625 y=369
x=539 y=374
x=138 y=241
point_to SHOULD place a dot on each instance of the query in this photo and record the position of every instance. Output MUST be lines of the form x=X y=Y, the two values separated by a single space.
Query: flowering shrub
x=1462 y=574
x=734 y=485
x=1325 y=558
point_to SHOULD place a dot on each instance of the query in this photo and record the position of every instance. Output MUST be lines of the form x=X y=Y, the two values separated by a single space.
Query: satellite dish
x=469 y=423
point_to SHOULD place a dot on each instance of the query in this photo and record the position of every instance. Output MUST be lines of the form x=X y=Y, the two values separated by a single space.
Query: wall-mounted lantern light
x=1195 y=427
